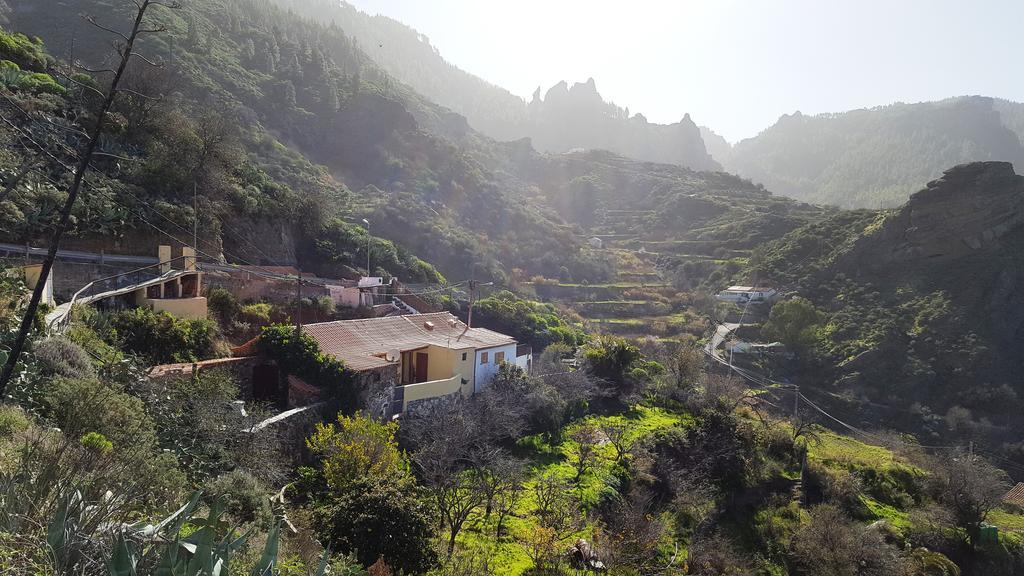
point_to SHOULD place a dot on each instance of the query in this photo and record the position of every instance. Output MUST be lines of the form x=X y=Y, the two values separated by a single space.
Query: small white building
x=744 y=294
x=596 y=243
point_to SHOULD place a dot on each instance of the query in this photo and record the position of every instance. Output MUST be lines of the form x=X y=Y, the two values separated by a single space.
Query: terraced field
x=651 y=294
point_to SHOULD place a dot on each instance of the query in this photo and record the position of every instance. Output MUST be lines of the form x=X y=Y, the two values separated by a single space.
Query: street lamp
x=367 y=222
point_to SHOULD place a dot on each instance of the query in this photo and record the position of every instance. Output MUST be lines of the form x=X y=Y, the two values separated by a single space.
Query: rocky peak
x=966 y=210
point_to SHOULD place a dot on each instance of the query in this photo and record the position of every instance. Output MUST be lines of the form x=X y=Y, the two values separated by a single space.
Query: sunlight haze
x=734 y=66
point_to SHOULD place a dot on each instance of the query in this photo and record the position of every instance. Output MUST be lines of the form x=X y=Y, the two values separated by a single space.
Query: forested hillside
x=286 y=90
x=920 y=319
x=292 y=96
x=875 y=158
x=566 y=118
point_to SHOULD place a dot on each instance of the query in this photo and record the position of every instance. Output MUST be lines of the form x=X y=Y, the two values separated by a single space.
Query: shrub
x=223 y=304
x=81 y=406
x=246 y=499
x=257 y=314
x=58 y=356
x=96 y=442
x=13 y=420
x=358 y=446
x=161 y=337
x=24 y=51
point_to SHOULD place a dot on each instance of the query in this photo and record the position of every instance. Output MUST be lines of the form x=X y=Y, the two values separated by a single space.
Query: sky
x=733 y=65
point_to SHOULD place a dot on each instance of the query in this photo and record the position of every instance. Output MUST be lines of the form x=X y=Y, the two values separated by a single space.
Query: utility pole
x=367 y=222
x=195 y=217
x=298 y=306
x=796 y=404
x=472 y=300
x=126 y=52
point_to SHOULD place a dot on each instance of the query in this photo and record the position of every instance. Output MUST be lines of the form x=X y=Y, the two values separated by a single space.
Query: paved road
x=15 y=249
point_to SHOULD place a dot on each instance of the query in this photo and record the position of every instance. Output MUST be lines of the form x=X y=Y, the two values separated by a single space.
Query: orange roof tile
x=1015 y=495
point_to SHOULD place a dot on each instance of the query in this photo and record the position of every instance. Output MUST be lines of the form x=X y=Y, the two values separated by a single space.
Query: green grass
x=836 y=450
x=894 y=516
x=507 y=557
x=1007 y=520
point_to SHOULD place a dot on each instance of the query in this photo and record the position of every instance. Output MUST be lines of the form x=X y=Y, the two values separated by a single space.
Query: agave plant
x=161 y=549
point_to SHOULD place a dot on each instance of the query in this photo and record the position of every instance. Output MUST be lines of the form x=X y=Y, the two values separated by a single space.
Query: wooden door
x=421 y=366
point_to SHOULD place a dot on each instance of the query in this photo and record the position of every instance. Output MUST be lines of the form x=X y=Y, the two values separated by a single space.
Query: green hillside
x=875 y=158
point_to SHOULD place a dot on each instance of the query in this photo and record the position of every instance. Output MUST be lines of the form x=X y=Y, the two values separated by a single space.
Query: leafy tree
x=300 y=355
x=377 y=517
x=528 y=321
x=358 y=446
x=795 y=323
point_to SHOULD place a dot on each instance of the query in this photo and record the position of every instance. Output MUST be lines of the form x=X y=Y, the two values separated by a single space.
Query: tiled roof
x=361 y=344
x=1016 y=495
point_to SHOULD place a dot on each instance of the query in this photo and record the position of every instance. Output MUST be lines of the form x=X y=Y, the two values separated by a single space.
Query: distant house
x=744 y=294
x=596 y=243
x=421 y=358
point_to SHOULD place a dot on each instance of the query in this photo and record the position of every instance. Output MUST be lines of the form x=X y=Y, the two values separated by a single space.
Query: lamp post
x=367 y=222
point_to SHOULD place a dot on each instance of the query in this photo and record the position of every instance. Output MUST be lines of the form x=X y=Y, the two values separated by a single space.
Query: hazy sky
x=735 y=66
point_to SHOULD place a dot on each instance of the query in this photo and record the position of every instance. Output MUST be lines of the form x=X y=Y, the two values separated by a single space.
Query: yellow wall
x=164 y=253
x=32 y=272
x=447 y=362
x=181 y=307
x=432 y=389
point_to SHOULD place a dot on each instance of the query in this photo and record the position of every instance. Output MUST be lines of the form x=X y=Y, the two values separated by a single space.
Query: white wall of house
x=487 y=362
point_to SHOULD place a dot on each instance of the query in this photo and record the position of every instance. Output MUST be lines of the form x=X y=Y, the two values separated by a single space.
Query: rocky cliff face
x=577 y=117
x=965 y=211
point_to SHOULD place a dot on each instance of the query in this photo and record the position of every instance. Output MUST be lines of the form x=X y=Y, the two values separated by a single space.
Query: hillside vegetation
x=921 y=322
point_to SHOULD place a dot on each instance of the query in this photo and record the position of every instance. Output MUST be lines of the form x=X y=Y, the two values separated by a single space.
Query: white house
x=596 y=243
x=744 y=294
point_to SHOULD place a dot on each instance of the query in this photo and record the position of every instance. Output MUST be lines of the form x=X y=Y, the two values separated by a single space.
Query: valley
x=324 y=303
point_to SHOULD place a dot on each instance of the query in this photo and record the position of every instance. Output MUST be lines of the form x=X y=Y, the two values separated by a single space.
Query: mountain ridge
x=591 y=122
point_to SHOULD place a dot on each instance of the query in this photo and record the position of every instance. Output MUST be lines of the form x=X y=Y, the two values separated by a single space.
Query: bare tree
x=617 y=434
x=630 y=534
x=505 y=500
x=496 y=472
x=970 y=487
x=457 y=496
x=558 y=520
x=584 y=454
x=126 y=52
x=833 y=545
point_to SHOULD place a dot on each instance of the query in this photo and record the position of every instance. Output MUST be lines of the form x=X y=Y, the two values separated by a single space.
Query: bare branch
x=115 y=156
x=92 y=20
x=96 y=71
x=139 y=94
x=82 y=85
x=147 y=60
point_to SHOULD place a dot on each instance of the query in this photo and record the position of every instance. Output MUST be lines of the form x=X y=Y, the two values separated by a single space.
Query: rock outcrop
x=577 y=117
x=965 y=211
